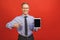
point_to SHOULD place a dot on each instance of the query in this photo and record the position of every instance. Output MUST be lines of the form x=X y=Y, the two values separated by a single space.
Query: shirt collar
x=25 y=15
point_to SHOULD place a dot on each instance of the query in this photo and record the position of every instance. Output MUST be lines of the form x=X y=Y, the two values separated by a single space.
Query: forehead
x=25 y=5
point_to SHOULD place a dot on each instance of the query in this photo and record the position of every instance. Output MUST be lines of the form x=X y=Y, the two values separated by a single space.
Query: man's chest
x=22 y=20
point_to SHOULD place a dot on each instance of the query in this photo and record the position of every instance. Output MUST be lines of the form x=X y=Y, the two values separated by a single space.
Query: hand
x=37 y=28
x=16 y=25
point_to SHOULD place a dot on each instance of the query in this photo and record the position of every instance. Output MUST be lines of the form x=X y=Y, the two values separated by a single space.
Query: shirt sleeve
x=11 y=23
x=32 y=24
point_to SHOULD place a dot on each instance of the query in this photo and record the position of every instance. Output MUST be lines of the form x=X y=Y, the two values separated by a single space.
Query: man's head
x=25 y=8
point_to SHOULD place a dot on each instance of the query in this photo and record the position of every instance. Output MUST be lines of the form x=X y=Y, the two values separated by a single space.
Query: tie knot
x=25 y=17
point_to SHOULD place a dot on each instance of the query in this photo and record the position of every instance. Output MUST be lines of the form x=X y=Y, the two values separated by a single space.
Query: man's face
x=25 y=8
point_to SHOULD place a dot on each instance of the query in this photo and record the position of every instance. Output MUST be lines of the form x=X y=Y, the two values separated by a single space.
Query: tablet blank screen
x=37 y=22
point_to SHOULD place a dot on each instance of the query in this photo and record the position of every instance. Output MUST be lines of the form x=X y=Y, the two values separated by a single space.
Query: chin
x=25 y=13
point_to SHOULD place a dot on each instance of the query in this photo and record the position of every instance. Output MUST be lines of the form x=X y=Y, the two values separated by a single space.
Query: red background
x=48 y=10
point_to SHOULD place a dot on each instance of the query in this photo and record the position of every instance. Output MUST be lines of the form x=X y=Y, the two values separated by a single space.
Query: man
x=23 y=23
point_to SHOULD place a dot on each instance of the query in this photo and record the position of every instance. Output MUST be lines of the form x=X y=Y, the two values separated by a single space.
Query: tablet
x=37 y=22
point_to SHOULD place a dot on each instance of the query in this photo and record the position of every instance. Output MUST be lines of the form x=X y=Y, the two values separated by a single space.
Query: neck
x=25 y=14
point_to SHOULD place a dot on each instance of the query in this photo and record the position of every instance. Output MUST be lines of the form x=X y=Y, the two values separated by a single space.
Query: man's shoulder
x=21 y=16
x=17 y=17
x=31 y=16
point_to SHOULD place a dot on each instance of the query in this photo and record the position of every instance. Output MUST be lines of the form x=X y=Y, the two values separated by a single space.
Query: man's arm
x=13 y=23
